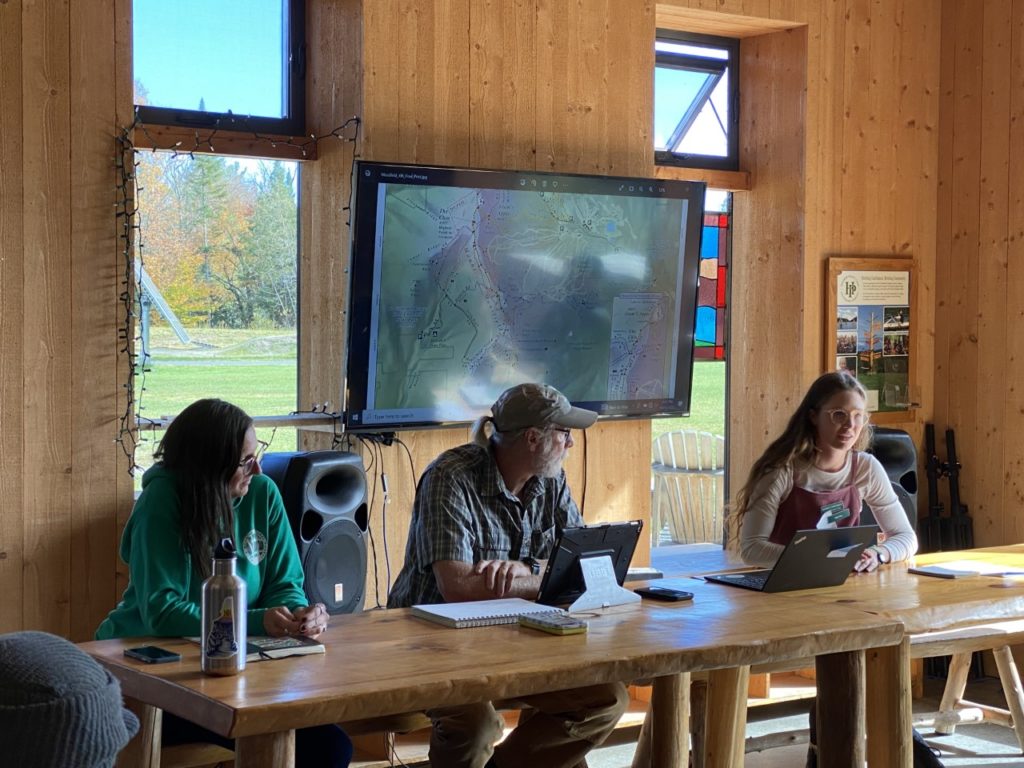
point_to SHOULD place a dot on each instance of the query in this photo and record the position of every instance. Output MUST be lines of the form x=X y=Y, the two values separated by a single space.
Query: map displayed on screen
x=476 y=289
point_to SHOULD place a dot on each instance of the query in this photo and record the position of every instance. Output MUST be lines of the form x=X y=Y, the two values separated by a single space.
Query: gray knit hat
x=58 y=706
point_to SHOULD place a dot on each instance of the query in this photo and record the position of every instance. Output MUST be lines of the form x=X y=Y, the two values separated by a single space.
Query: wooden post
x=144 y=750
x=889 y=715
x=841 y=710
x=698 y=720
x=665 y=733
x=1012 y=690
x=270 y=750
x=953 y=693
x=726 y=720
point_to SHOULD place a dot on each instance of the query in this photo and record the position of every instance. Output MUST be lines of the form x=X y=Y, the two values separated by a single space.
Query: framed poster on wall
x=869 y=330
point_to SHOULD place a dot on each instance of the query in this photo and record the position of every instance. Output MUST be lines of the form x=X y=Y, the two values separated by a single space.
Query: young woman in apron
x=816 y=474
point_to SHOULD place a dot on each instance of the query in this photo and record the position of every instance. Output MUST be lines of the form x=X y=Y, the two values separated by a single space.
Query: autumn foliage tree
x=220 y=241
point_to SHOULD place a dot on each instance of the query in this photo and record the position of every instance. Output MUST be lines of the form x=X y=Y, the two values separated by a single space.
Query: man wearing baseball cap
x=484 y=520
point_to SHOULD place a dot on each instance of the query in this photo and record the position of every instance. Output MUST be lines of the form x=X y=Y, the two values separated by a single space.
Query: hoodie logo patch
x=254 y=546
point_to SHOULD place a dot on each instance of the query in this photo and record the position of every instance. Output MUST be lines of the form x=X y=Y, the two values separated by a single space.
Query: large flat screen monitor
x=465 y=282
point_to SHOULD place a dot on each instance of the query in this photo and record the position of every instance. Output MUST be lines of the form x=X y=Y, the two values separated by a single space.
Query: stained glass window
x=711 y=297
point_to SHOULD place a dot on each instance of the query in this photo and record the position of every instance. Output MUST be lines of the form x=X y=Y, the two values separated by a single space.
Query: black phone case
x=665 y=594
x=135 y=653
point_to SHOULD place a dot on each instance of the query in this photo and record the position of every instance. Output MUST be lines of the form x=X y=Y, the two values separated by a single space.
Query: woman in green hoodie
x=206 y=485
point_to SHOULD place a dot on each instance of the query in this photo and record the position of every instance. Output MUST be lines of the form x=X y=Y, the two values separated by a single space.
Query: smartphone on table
x=666 y=594
x=152 y=654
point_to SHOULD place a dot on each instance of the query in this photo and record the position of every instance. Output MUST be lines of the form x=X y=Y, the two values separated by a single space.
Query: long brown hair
x=202 y=447
x=796 y=446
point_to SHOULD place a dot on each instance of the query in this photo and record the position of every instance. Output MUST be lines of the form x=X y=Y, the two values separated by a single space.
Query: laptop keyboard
x=753 y=580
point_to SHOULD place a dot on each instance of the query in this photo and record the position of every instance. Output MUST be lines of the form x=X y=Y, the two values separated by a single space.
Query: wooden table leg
x=889 y=713
x=665 y=733
x=144 y=750
x=270 y=750
x=841 y=709
x=642 y=756
x=698 y=721
x=726 y=720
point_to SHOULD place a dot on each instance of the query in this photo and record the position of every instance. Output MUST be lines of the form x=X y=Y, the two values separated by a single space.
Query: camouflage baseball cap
x=537 y=405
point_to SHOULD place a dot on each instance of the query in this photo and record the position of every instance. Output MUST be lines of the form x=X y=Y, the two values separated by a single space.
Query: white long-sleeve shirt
x=875 y=489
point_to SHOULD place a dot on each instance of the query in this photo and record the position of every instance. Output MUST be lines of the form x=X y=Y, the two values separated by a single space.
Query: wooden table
x=921 y=604
x=386 y=662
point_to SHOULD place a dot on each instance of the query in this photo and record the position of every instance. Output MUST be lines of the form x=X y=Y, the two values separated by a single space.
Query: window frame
x=293 y=124
x=730 y=162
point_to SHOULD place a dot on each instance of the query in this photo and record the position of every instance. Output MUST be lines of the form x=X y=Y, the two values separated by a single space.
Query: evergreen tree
x=272 y=243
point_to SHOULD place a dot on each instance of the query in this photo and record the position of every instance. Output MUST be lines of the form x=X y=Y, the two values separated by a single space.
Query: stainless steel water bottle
x=224 y=615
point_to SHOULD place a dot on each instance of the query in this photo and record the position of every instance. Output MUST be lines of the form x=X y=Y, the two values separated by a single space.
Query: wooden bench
x=997 y=637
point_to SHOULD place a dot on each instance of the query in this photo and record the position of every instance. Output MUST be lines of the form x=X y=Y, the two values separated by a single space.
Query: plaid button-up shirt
x=464 y=512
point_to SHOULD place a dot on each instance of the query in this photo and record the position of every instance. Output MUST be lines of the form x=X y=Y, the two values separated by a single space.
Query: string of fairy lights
x=132 y=240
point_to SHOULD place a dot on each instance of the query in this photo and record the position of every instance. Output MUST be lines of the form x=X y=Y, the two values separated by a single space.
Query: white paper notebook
x=481 y=613
x=960 y=569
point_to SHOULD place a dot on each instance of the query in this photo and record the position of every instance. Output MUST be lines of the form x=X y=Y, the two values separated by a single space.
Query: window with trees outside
x=219 y=290
x=217 y=261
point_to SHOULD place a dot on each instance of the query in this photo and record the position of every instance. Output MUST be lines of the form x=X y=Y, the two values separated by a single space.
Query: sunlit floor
x=981 y=746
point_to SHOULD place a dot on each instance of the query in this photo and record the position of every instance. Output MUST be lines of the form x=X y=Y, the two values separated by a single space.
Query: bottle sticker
x=220 y=641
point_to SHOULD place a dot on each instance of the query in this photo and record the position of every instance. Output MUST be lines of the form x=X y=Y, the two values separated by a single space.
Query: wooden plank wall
x=839 y=127
x=768 y=268
x=979 y=356
x=891 y=165
x=560 y=86
x=59 y=393
x=12 y=308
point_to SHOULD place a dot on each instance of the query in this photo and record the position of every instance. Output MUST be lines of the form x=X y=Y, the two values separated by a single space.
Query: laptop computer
x=813 y=558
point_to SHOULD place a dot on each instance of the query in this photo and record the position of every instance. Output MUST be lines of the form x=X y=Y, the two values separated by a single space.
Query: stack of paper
x=959 y=569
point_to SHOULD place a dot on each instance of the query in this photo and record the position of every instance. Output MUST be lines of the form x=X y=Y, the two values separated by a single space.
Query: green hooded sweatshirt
x=164 y=590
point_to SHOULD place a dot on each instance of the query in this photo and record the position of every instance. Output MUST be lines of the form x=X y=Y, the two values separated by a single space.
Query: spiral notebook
x=481 y=613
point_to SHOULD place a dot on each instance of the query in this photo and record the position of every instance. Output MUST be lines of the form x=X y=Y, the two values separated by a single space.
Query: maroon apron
x=801 y=509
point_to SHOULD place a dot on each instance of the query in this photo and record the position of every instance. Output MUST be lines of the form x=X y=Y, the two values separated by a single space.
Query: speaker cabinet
x=324 y=495
x=897 y=454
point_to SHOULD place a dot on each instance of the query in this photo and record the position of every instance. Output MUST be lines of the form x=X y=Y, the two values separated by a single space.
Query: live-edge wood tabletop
x=388 y=662
x=927 y=603
x=922 y=604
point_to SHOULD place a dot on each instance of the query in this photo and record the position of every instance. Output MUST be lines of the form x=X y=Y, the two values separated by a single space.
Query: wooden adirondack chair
x=688 y=487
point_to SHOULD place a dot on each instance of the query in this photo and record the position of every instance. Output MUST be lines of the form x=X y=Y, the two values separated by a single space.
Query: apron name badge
x=831 y=514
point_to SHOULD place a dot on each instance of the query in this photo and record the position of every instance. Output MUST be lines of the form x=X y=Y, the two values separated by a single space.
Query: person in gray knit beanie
x=58 y=706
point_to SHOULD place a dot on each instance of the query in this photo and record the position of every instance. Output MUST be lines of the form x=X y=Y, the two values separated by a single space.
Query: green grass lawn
x=256 y=370
x=707 y=402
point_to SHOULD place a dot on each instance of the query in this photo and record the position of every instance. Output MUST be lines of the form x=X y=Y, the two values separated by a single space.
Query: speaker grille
x=335 y=567
x=324 y=494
